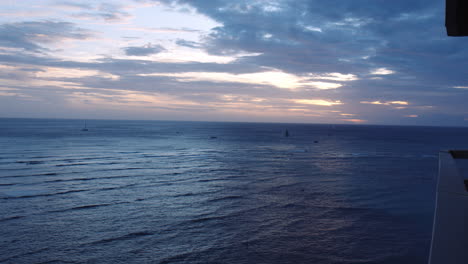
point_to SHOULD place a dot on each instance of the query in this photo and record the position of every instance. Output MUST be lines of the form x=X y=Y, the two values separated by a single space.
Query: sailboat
x=84 y=128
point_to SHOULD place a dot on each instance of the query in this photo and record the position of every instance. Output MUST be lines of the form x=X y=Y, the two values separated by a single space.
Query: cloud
x=57 y=73
x=385 y=103
x=190 y=44
x=34 y=35
x=335 y=76
x=371 y=59
x=73 y=5
x=381 y=71
x=274 y=78
x=164 y=29
x=128 y=66
x=12 y=92
x=317 y=102
x=107 y=11
x=397 y=38
x=145 y=50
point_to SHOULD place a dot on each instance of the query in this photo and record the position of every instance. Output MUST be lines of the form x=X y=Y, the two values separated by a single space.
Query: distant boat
x=84 y=128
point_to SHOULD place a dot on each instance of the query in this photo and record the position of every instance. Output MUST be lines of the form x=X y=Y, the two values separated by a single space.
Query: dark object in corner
x=456 y=17
x=459 y=154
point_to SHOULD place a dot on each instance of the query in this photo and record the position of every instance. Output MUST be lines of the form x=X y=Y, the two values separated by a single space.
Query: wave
x=211 y=180
x=130 y=168
x=15 y=169
x=181 y=258
x=117 y=187
x=30 y=162
x=124 y=237
x=184 y=195
x=24 y=254
x=82 y=207
x=92 y=178
x=30 y=175
x=56 y=261
x=43 y=157
x=193 y=256
x=229 y=197
x=86 y=158
x=208 y=218
x=12 y=218
x=42 y=194
x=72 y=164
x=68 y=172
x=155 y=156
x=193 y=194
x=83 y=179
x=280 y=187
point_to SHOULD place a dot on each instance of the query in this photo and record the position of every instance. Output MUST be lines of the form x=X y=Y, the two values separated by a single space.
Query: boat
x=84 y=128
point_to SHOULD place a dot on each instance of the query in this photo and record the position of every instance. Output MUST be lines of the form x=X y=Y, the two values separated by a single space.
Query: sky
x=301 y=61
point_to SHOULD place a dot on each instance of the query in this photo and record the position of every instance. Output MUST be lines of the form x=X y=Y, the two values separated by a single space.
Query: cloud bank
x=363 y=61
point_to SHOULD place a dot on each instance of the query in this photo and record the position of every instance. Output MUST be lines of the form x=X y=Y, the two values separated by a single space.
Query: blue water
x=200 y=192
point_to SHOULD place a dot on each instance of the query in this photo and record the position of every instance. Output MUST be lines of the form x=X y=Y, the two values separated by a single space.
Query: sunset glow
x=168 y=59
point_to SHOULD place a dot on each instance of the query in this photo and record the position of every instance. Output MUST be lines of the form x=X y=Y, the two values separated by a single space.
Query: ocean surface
x=201 y=192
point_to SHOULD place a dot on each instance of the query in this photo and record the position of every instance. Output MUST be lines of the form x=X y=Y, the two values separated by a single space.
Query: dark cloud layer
x=397 y=51
x=190 y=44
x=32 y=34
x=314 y=35
x=353 y=36
x=301 y=36
x=145 y=50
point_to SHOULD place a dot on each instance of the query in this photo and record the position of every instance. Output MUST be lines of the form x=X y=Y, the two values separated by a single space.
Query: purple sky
x=311 y=61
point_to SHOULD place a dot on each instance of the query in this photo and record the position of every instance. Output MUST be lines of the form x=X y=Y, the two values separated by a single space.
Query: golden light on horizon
x=354 y=120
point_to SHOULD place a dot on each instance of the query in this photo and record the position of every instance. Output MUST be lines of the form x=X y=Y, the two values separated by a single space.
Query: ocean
x=213 y=192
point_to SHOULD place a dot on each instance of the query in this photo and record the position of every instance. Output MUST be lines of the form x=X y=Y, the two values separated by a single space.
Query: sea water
x=207 y=192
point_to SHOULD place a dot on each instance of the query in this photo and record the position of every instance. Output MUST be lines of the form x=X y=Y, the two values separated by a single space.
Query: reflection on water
x=188 y=192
